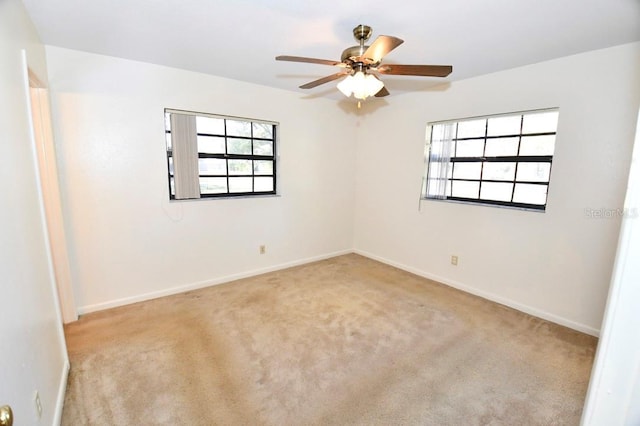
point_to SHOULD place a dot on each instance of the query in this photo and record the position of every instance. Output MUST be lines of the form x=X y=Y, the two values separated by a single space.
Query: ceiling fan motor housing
x=361 y=33
x=351 y=53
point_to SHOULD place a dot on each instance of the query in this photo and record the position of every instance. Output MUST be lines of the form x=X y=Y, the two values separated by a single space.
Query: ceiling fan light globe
x=358 y=77
x=360 y=85
x=373 y=84
x=368 y=85
x=346 y=86
x=361 y=94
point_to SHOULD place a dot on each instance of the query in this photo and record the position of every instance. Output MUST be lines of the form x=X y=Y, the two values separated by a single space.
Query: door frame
x=43 y=142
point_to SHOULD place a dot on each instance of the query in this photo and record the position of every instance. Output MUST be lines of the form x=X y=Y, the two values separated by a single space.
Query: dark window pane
x=240 y=167
x=209 y=185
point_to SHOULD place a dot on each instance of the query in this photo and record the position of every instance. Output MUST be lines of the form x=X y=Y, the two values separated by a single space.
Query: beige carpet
x=342 y=341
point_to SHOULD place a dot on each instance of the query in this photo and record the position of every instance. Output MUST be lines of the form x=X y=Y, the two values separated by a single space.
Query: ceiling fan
x=359 y=62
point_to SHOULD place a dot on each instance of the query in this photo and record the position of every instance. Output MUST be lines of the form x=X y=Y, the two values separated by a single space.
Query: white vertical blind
x=184 y=139
x=439 y=159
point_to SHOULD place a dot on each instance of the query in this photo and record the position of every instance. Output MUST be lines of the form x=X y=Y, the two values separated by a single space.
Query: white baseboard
x=62 y=390
x=460 y=286
x=489 y=296
x=194 y=286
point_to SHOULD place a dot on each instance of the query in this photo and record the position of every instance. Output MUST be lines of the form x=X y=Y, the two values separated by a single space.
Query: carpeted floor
x=342 y=341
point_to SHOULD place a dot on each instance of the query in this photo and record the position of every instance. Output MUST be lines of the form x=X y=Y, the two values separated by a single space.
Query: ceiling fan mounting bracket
x=362 y=33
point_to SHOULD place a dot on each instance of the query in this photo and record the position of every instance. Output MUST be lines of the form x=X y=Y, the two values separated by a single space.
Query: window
x=217 y=156
x=502 y=160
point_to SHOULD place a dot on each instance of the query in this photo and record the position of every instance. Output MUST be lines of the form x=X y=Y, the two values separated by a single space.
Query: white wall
x=32 y=350
x=128 y=242
x=614 y=390
x=557 y=264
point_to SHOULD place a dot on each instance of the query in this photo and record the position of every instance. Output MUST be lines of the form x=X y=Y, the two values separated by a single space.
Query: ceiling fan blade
x=382 y=92
x=380 y=47
x=308 y=60
x=324 y=80
x=419 y=70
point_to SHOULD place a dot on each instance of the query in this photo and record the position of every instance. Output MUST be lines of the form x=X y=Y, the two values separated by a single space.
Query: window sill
x=472 y=203
x=235 y=197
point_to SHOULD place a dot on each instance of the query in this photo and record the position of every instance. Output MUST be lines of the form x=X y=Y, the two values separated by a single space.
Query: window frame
x=483 y=159
x=226 y=156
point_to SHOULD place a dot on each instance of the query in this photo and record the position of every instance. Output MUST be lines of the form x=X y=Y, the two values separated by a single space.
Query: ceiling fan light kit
x=359 y=62
x=361 y=85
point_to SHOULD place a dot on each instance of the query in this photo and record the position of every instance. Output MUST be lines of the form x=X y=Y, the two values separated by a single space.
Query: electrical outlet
x=36 y=399
x=454 y=260
x=263 y=249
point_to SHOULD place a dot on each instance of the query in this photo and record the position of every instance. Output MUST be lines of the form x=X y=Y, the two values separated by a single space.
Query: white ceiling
x=239 y=39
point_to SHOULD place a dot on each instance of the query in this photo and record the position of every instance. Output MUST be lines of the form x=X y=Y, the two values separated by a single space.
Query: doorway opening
x=48 y=171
